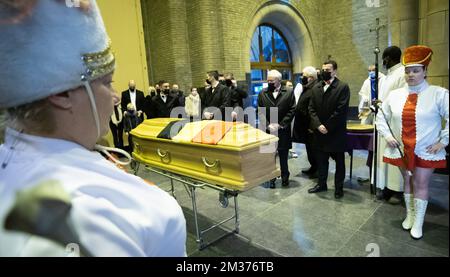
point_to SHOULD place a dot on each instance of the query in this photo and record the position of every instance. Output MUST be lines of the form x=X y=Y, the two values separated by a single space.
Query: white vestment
x=389 y=175
x=114 y=213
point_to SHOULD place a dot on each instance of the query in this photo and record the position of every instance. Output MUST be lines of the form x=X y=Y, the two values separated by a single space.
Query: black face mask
x=326 y=76
x=319 y=76
x=304 y=80
x=166 y=91
x=132 y=88
x=271 y=87
x=208 y=81
x=228 y=83
x=222 y=82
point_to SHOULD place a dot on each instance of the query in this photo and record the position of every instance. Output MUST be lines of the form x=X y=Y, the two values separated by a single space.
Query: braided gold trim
x=98 y=64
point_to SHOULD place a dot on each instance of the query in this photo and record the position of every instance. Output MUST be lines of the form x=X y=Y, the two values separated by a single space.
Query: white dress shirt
x=133 y=98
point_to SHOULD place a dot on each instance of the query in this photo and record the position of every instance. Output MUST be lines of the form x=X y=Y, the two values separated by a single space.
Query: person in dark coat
x=163 y=103
x=148 y=102
x=328 y=110
x=302 y=132
x=282 y=98
x=131 y=119
x=237 y=96
x=179 y=94
x=215 y=99
x=135 y=97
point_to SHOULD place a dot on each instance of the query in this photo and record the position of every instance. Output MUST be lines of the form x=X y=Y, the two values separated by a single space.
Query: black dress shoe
x=309 y=171
x=338 y=194
x=317 y=188
x=272 y=184
x=285 y=182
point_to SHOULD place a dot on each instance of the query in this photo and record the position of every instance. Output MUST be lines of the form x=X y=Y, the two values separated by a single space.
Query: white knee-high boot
x=409 y=220
x=420 y=207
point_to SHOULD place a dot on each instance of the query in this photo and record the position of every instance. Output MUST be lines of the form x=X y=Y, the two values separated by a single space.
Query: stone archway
x=290 y=22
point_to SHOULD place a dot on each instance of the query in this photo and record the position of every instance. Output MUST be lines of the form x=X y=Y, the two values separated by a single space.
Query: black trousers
x=283 y=156
x=117 y=132
x=322 y=162
x=311 y=152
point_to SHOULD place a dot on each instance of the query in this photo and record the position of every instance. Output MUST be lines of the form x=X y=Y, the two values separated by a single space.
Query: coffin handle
x=210 y=165
x=162 y=154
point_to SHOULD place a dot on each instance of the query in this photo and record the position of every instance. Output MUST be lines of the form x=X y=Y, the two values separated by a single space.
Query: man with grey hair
x=302 y=129
x=281 y=98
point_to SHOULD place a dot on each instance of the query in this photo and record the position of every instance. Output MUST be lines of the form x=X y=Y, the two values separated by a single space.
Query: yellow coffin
x=243 y=158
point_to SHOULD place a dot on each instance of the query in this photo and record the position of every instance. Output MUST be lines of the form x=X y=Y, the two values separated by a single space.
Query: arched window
x=269 y=50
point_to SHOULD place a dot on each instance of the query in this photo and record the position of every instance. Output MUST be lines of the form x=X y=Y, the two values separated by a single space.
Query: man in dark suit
x=328 y=110
x=163 y=103
x=237 y=96
x=302 y=131
x=179 y=94
x=134 y=96
x=215 y=99
x=282 y=98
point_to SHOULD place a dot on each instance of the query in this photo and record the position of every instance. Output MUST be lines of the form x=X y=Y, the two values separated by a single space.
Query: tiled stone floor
x=290 y=222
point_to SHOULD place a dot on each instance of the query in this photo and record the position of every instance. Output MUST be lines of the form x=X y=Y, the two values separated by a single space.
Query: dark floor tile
x=362 y=244
x=290 y=222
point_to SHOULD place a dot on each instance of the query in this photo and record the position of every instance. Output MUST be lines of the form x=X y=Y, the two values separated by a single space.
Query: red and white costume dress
x=415 y=115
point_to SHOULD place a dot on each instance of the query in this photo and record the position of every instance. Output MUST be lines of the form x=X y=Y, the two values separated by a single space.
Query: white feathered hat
x=54 y=49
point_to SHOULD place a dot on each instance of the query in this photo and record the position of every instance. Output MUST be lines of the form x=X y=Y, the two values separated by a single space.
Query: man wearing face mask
x=282 y=98
x=302 y=130
x=389 y=178
x=179 y=94
x=366 y=95
x=328 y=110
x=237 y=96
x=215 y=99
x=135 y=97
x=164 y=102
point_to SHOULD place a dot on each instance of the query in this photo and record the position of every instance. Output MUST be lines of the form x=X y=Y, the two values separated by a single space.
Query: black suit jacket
x=220 y=99
x=285 y=102
x=160 y=109
x=330 y=109
x=302 y=119
x=140 y=101
x=237 y=95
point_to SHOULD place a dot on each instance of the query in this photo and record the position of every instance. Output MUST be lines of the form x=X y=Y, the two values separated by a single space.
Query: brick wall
x=186 y=38
x=346 y=37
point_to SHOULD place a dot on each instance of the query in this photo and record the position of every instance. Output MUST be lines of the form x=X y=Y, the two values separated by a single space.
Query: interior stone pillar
x=434 y=33
x=403 y=23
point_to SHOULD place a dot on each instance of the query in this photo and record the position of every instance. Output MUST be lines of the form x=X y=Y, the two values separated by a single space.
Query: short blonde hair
x=35 y=117
x=130 y=106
